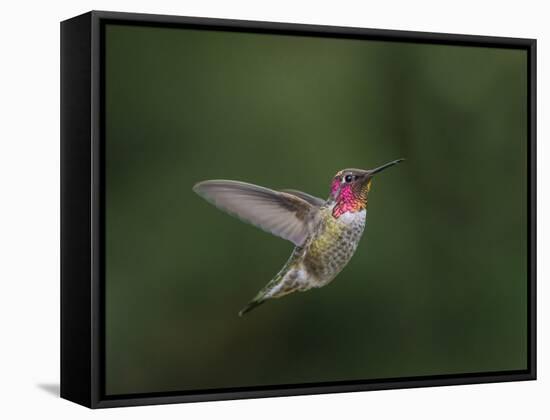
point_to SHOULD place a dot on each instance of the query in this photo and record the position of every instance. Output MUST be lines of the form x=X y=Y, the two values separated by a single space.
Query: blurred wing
x=314 y=201
x=284 y=215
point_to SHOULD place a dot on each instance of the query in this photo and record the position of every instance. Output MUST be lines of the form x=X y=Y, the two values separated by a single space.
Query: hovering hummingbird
x=325 y=233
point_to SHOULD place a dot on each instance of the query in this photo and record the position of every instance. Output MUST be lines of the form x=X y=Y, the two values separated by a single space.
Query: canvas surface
x=438 y=284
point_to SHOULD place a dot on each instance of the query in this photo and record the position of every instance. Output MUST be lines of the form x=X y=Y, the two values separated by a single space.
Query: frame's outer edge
x=318 y=30
x=81 y=218
x=532 y=202
x=97 y=217
x=76 y=201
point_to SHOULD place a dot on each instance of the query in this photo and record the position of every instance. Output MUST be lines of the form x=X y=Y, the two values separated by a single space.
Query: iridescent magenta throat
x=348 y=201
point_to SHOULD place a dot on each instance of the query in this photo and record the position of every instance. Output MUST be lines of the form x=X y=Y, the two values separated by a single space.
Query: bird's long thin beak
x=385 y=166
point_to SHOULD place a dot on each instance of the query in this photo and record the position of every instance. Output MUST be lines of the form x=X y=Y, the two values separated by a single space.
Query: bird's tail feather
x=251 y=305
x=266 y=293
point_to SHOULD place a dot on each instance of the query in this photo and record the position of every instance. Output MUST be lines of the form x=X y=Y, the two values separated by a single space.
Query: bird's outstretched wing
x=285 y=215
x=311 y=199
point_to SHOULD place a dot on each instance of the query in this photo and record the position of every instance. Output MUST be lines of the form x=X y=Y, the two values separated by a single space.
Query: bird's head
x=350 y=188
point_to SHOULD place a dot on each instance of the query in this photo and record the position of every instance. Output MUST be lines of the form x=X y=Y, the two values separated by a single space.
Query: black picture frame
x=83 y=198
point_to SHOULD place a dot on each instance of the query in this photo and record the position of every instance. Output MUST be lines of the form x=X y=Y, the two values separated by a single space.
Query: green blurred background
x=438 y=284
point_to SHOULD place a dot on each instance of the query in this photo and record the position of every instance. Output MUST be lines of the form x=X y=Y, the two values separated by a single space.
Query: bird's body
x=326 y=233
x=333 y=245
x=324 y=254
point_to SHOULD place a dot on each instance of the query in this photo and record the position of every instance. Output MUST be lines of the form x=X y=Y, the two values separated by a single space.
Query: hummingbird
x=325 y=232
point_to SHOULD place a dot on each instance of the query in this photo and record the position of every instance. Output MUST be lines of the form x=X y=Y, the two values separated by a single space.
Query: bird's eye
x=348 y=178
